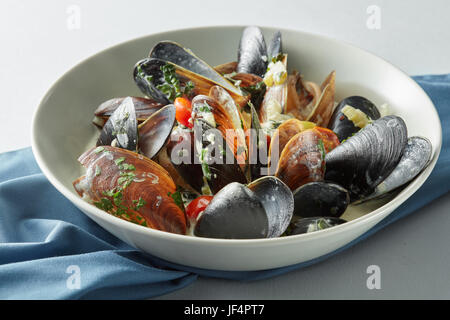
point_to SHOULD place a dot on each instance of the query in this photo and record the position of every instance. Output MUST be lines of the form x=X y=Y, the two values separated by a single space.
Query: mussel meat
x=131 y=187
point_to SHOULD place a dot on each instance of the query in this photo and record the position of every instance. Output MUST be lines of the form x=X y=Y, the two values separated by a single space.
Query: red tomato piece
x=197 y=205
x=183 y=111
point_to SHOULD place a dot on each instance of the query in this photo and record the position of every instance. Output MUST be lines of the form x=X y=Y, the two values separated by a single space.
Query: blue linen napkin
x=51 y=250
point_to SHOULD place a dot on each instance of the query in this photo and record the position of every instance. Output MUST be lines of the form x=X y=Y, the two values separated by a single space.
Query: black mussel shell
x=148 y=75
x=342 y=126
x=252 y=52
x=365 y=159
x=121 y=128
x=320 y=199
x=277 y=201
x=181 y=152
x=275 y=48
x=235 y=212
x=155 y=131
x=181 y=57
x=307 y=225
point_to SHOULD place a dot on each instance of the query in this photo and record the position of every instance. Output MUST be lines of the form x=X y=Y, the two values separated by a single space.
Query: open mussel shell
x=302 y=160
x=252 y=52
x=302 y=96
x=323 y=109
x=121 y=128
x=131 y=187
x=217 y=160
x=144 y=108
x=320 y=199
x=225 y=117
x=277 y=201
x=308 y=225
x=415 y=157
x=148 y=75
x=286 y=131
x=366 y=159
x=235 y=117
x=155 y=131
x=183 y=58
x=260 y=210
x=341 y=125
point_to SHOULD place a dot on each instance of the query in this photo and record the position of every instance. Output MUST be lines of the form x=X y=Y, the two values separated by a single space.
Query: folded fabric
x=51 y=250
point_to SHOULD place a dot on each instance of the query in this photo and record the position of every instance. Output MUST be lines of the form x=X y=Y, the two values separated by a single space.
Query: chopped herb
x=321 y=148
x=104 y=204
x=188 y=88
x=176 y=196
x=126 y=166
x=279 y=57
x=205 y=107
x=205 y=166
x=99 y=149
x=138 y=204
x=118 y=161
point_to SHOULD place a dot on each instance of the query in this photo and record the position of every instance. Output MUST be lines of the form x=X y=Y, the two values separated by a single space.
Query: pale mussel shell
x=366 y=159
x=342 y=126
x=262 y=209
x=121 y=128
x=416 y=156
x=144 y=108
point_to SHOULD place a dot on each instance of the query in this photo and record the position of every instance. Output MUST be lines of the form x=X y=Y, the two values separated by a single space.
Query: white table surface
x=41 y=40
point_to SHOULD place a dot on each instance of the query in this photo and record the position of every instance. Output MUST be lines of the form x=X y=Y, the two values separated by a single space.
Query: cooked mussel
x=365 y=159
x=302 y=160
x=131 y=187
x=121 y=128
x=307 y=225
x=415 y=157
x=144 y=108
x=202 y=157
x=171 y=80
x=320 y=199
x=260 y=210
x=155 y=131
x=252 y=52
x=351 y=115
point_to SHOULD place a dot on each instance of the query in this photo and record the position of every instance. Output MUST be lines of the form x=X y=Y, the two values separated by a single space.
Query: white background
x=38 y=46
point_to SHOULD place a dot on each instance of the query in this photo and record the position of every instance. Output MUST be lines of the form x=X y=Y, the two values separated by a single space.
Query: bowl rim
x=401 y=197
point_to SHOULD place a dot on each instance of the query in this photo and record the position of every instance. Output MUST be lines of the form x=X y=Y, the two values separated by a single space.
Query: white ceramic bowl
x=62 y=130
